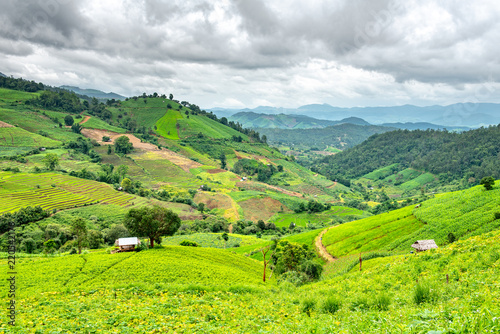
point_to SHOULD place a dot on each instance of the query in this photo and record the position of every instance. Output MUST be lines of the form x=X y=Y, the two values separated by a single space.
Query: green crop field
x=195 y=124
x=371 y=233
x=403 y=176
x=54 y=191
x=167 y=125
x=418 y=181
x=190 y=290
x=464 y=213
x=304 y=218
x=9 y=95
x=18 y=137
x=96 y=123
x=381 y=172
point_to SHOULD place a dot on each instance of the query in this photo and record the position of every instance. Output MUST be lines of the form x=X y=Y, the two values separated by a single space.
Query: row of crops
x=55 y=191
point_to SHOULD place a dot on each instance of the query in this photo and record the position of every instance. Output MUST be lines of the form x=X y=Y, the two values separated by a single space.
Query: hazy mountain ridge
x=285 y=121
x=458 y=114
x=94 y=93
x=2 y=75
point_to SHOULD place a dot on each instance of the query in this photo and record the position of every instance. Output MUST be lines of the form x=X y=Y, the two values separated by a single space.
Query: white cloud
x=250 y=52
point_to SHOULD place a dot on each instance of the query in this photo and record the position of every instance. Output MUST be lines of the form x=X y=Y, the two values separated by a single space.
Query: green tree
x=222 y=158
x=68 y=120
x=126 y=184
x=110 y=149
x=123 y=145
x=152 y=222
x=79 y=230
x=488 y=182
x=49 y=246
x=95 y=239
x=201 y=207
x=77 y=128
x=122 y=170
x=51 y=161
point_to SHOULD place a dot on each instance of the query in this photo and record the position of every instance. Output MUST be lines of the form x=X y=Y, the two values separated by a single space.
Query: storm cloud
x=244 y=53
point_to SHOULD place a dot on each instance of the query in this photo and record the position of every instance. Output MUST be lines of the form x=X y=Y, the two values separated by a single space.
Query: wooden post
x=447 y=279
x=265 y=262
x=360 y=261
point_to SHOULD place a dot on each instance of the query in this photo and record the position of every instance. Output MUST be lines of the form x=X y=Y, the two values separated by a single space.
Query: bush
x=331 y=305
x=189 y=243
x=423 y=294
x=381 y=302
x=497 y=215
x=360 y=304
x=308 y=305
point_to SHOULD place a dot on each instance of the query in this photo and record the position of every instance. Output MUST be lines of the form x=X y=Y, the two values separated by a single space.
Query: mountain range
x=98 y=94
x=459 y=114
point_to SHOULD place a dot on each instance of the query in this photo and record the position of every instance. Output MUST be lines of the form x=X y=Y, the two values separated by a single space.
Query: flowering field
x=165 y=291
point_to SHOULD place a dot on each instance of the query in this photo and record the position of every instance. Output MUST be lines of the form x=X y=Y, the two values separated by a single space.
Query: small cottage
x=127 y=244
x=423 y=245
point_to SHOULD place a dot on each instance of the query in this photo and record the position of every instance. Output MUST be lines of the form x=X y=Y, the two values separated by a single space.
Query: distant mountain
x=454 y=115
x=340 y=136
x=284 y=121
x=424 y=126
x=2 y=75
x=94 y=93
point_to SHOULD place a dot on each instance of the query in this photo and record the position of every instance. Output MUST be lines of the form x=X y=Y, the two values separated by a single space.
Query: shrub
x=360 y=304
x=381 y=302
x=308 y=305
x=331 y=305
x=423 y=294
x=497 y=215
x=189 y=243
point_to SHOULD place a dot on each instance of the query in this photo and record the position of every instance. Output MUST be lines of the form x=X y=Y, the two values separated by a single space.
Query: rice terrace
x=249 y=167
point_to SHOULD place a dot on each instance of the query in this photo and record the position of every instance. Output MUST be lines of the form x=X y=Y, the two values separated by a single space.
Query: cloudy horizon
x=248 y=53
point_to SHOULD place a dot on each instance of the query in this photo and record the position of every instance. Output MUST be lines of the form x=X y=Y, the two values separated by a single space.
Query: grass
x=18 y=137
x=370 y=234
x=381 y=173
x=304 y=218
x=213 y=240
x=418 y=181
x=97 y=123
x=195 y=124
x=189 y=290
x=167 y=125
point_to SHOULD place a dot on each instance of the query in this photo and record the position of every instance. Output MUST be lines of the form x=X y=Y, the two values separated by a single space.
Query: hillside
x=467 y=156
x=341 y=136
x=463 y=213
x=284 y=121
x=94 y=93
x=179 y=289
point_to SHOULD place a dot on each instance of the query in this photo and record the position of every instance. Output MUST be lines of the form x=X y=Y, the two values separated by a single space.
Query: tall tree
x=79 y=229
x=123 y=145
x=51 y=161
x=152 y=222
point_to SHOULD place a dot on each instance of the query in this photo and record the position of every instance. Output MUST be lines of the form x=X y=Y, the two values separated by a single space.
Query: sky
x=249 y=53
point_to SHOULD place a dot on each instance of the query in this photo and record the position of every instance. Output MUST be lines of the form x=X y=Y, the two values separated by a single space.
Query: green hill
x=463 y=213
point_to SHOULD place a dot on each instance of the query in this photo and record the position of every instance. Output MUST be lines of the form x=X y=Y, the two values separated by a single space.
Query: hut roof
x=422 y=245
x=127 y=241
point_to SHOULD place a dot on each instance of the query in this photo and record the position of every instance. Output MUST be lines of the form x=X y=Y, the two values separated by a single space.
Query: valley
x=266 y=242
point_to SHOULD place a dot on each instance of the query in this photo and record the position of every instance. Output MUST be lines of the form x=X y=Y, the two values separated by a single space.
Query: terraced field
x=54 y=191
x=16 y=137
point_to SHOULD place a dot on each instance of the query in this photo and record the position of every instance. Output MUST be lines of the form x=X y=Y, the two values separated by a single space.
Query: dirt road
x=321 y=248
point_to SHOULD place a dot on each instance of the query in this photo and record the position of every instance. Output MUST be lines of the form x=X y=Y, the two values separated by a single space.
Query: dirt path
x=321 y=248
x=85 y=119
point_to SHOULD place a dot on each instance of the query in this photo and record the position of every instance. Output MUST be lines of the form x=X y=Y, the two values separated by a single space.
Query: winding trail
x=321 y=248
x=85 y=119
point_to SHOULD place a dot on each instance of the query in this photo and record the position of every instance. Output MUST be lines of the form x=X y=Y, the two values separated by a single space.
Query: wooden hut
x=423 y=245
x=127 y=244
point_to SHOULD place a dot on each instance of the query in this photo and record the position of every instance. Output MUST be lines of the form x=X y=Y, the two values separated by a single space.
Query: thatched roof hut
x=423 y=245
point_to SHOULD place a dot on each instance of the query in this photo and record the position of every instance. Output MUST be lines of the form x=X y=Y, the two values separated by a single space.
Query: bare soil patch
x=216 y=171
x=261 y=208
x=5 y=125
x=321 y=248
x=86 y=118
x=177 y=159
